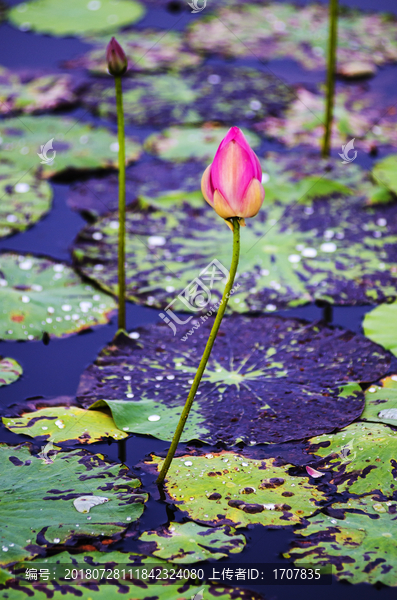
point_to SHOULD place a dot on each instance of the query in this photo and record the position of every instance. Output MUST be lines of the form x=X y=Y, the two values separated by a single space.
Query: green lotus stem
x=207 y=351
x=331 y=68
x=121 y=249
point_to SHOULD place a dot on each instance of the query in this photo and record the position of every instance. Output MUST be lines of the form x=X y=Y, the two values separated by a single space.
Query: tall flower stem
x=207 y=351
x=121 y=248
x=331 y=68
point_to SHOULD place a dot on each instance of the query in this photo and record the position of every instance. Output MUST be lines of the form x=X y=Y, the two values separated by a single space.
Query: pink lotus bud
x=232 y=183
x=116 y=58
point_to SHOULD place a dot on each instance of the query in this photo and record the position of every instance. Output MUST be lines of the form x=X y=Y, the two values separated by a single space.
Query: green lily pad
x=188 y=543
x=283 y=30
x=24 y=200
x=10 y=371
x=312 y=239
x=227 y=488
x=37 y=499
x=147 y=50
x=38 y=294
x=381 y=402
x=357 y=116
x=384 y=173
x=184 y=143
x=362 y=457
x=222 y=94
x=380 y=326
x=77 y=146
x=75 y=18
x=41 y=93
x=62 y=423
x=267 y=380
x=360 y=546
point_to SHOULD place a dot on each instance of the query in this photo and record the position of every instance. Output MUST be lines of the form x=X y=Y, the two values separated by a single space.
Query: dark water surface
x=54 y=370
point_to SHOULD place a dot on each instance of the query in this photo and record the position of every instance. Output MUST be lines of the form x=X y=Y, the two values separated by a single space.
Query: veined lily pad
x=75 y=145
x=268 y=379
x=381 y=402
x=38 y=294
x=10 y=371
x=384 y=173
x=24 y=199
x=75 y=18
x=37 y=498
x=147 y=50
x=357 y=116
x=184 y=143
x=62 y=423
x=283 y=30
x=314 y=238
x=362 y=457
x=380 y=326
x=361 y=546
x=41 y=93
x=229 y=488
x=189 y=543
x=221 y=94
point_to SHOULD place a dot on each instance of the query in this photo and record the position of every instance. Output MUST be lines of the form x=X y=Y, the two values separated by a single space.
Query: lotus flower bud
x=116 y=58
x=232 y=183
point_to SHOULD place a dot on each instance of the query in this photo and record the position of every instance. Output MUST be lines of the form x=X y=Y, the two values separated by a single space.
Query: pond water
x=54 y=369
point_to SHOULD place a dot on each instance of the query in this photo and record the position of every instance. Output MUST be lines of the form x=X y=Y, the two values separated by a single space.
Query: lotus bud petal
x=116 y=58
x=313 y=473
x=232 y=183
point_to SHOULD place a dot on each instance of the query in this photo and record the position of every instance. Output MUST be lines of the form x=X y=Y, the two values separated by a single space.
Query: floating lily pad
x=62 y=423
x=381 y=402
x=357 y=116
x=75 y=18
x=312 y=239
x=222 y=94
x=380 y=325
x=77 y=146
x=189 y=543
x=360 y=546
x=38 y=294
x=268 y=379
x=283 y=30
x=100 y=195
x=41 y=93
x=24 y=200
x=362 y=457
x=227 y=488
x=384 y=173
x=147 y=50
x=184 y=143
x=37 y=499
x=10 y=371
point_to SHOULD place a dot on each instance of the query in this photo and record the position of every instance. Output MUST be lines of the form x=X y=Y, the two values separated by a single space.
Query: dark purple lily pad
x=225 y=94
x=268 y=379
x=314 y=238
x=99 y=195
